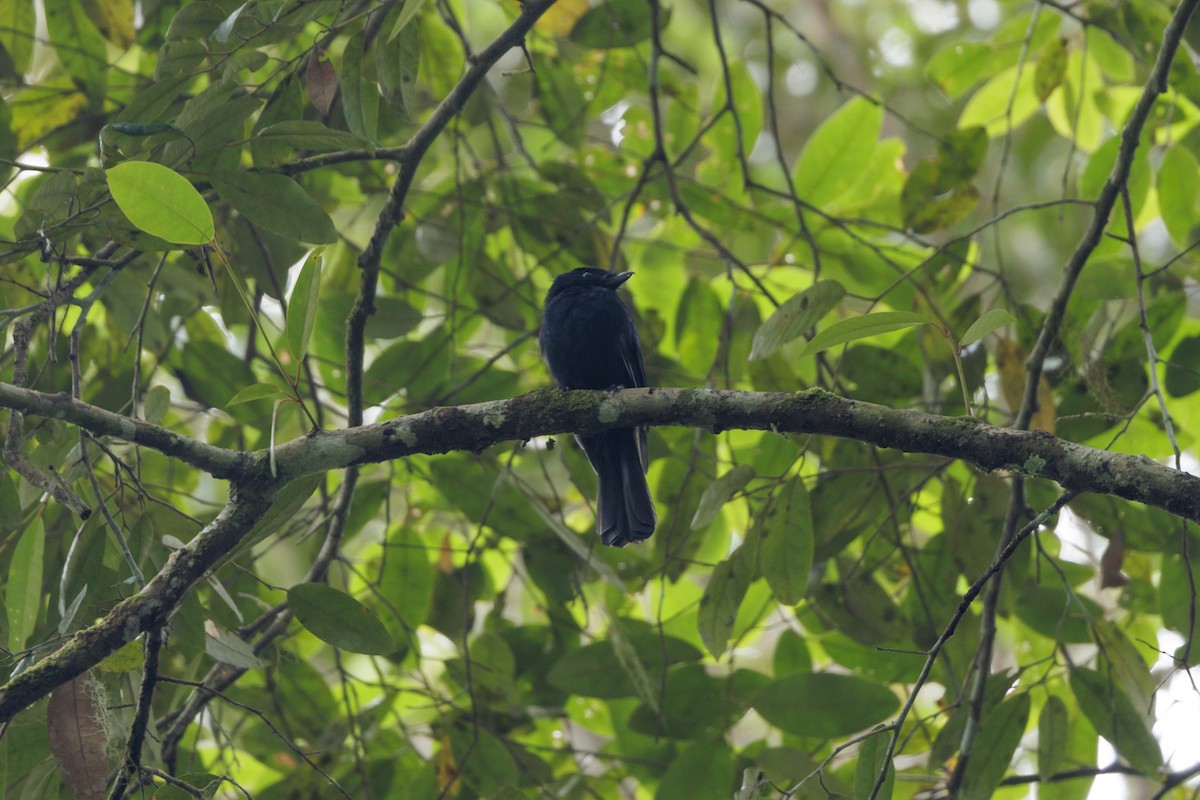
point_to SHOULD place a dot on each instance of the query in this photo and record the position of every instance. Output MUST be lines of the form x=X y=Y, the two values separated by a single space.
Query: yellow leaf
x=38 y=110
x=1010 y=361
x=446 y=769
x=126 y=659
x=561 y=17
x=114 y=18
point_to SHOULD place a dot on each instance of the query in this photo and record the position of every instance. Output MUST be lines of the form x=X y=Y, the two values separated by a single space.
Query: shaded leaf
x=786 y=543
x=223 y=646
x=721 y=600
x=703 y=771
x=615 y=23
x=305 y=134
x=720 y=492
x=872 y=755
x=1053 y=727
x=302 y=305
x=999 y=734
x=823 y=705
x=338 y=619
x=1107 y=706
x=594 y=670
x=23 y=592
x=276 y=203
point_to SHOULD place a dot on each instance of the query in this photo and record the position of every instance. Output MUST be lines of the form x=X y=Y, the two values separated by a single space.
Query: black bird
x=589 y=341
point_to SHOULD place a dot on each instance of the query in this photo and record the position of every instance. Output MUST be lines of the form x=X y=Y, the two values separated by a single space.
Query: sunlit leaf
x=795 y=316
x=862 y=327
x=993 y=320
x=161 y=202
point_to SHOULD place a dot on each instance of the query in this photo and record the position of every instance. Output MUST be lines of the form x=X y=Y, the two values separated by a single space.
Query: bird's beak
x=619 y=278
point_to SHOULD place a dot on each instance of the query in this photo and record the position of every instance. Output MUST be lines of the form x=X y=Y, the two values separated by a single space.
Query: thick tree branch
x=216 y=461
x=548 y=412
x=545 y=412
x=1076 y=467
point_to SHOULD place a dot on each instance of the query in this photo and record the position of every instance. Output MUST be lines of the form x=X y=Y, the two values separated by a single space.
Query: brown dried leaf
x=1010 y=361
x=321 y=80
x=1111 y=563
x=78 y=738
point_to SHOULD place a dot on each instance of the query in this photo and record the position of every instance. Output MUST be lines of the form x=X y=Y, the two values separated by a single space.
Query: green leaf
x=302 y=305
x=1178 y=194
x=23 y=595
x=999 y=734
x=223 y=646
x=872 y=755
x=862 y=327
x=397 y=63
x=291 y=498
x=408 y=577
x=838 y=152
x=1051 y=67
x=17 y=32
x=824 y=705
x=679 y=716
x=338 y=619
x=161 y=202
x=933 y=199
x=256 y=391
x=721 y=600
x=595 y=670
x=786 y=543
x=1107 y=707
x=407 y=12
x=1183 y=368
x=1053 y=727
x=990 y=106
x=276 y=203
x=156 y=404
x=304 y=134
x=704 y=771
x=720 y=492
x=795 y=317
x=360 y=94
x=989 y=322
x=1128 y=667
x=616 y=23
x=78 y=45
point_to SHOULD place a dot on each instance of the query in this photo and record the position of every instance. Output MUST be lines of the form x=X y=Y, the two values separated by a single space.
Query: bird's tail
x=625 y=511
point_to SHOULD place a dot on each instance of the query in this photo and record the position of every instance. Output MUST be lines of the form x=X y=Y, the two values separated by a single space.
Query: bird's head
x=586 y=277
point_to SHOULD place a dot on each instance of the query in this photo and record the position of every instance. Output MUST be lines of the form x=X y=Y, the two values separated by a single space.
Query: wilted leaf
x=78 y=738
x=321 y=81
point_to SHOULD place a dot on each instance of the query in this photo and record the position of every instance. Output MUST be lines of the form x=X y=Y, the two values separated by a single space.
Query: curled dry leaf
x=1112 y=561
x=78 y=738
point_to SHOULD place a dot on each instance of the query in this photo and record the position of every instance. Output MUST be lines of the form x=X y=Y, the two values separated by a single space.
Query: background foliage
x=446 y=625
